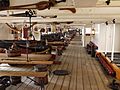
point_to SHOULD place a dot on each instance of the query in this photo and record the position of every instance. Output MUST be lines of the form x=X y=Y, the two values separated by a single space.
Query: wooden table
x=22 y=70
x=56 y=43
x=32 y=59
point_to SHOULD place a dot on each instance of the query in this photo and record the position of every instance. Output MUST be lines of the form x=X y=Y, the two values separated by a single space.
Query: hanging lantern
x=93 y=31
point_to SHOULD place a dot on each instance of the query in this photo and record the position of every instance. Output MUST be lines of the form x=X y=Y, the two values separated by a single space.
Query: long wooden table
x=56 y=43
x=25 y=69
x=32 y=59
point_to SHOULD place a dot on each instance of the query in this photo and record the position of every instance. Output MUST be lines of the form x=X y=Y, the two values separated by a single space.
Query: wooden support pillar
x=113 y=41
x=83 y=37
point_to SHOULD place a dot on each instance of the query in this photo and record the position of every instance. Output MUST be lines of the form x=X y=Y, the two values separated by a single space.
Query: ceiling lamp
x=107 y=2
x=114 y=21
x=106 y=22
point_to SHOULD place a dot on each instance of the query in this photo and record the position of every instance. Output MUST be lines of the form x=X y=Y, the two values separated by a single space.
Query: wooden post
x=113 y=41
x=83 y=36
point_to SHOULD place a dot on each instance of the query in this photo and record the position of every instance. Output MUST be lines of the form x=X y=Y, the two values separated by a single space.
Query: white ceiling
x=96 y=11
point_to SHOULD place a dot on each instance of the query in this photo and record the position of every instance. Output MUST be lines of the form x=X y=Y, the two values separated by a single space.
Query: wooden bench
x=23 y=73
x=56 y=43
x=32 y=59
x=88 y=47
x=105 y=64
x=15 y=61
x=91 y=48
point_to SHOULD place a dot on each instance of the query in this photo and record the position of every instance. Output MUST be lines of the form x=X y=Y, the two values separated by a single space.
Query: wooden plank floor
x=85 y=72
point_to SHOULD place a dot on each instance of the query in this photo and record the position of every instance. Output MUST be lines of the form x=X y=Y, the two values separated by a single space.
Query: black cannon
x=4 y=82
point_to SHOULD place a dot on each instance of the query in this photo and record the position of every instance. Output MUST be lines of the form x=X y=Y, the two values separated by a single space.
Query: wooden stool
x=41 y=68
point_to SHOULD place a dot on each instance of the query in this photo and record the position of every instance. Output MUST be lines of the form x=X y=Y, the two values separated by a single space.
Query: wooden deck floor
x=86 y=73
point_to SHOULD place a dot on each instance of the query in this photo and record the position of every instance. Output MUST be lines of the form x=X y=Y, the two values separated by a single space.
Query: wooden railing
x=106 y=64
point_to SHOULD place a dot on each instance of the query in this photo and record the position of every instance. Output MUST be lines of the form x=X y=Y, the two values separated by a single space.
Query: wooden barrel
x=15 y=80
x=41 y=68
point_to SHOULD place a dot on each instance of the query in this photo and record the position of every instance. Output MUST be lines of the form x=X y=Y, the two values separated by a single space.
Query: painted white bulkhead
x=104 y=35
